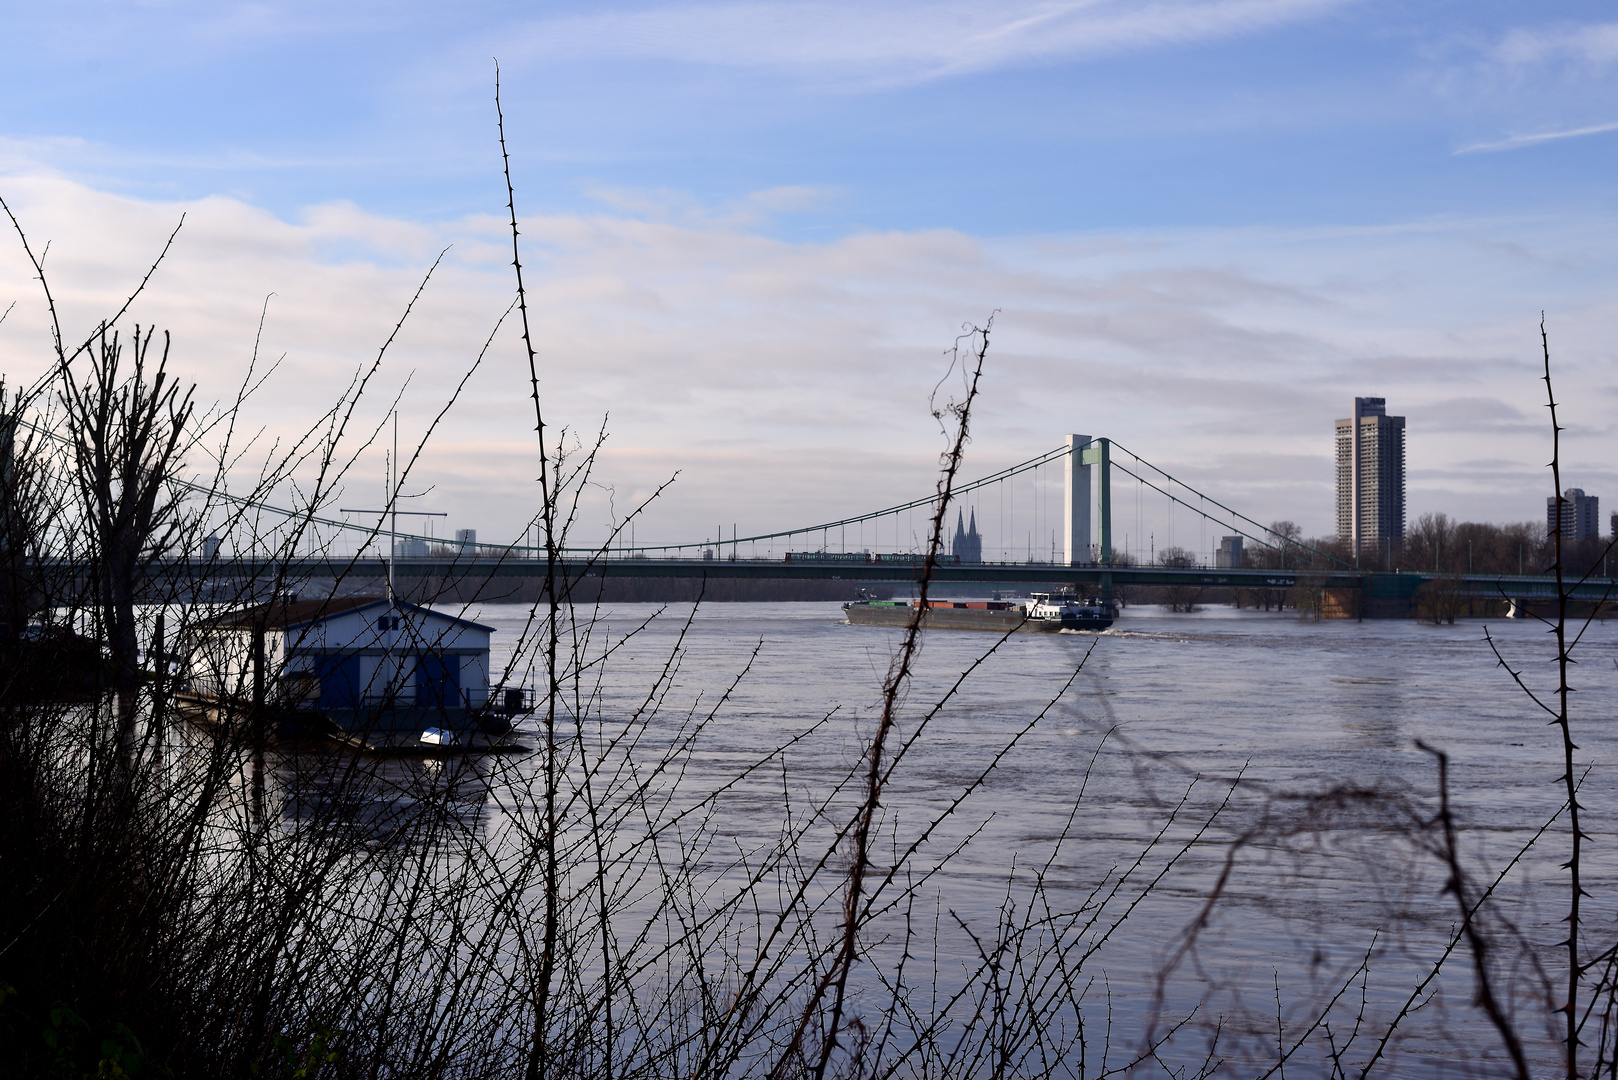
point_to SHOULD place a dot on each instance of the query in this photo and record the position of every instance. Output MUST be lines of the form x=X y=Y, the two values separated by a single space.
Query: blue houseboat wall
x=349 y=655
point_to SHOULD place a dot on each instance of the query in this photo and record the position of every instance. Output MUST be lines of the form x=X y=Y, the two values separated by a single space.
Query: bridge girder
x=1471 y=586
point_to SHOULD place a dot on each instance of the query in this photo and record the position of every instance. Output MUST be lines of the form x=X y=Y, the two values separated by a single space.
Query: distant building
x=410 y=548
x=1580 y=515
x=1371 y=478
x=1229 y=555
x=968 y=545
x=467 y=541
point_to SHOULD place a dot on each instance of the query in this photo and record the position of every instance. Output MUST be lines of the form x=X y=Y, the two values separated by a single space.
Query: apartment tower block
x=1580 y=515
x=1371 y=478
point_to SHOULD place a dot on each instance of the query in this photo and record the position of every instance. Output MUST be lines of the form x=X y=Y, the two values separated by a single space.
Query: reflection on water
x=305 y=786
x=382 y=800
x=1170 y=710
x=1270 y=758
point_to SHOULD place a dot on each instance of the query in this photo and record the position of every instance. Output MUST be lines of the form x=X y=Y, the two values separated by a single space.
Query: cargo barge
x=1040 y=613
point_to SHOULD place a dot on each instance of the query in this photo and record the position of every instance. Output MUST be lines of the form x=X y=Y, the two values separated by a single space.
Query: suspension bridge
x=1088 y=514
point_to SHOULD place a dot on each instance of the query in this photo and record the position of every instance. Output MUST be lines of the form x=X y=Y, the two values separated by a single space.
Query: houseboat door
x=438 y=682
x=339 y=681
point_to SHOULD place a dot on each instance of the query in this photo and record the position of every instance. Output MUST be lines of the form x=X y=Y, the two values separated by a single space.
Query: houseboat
x=379 y=669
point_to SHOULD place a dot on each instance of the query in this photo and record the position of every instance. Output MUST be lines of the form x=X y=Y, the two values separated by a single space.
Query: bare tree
x=128 y=428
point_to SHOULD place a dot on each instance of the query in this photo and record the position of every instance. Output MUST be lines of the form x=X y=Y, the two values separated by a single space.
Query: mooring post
x=160 y=670
x=258 y=667
x=257 y=720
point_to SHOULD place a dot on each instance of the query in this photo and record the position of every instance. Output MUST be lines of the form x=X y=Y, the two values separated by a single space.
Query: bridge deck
x=1473 y=586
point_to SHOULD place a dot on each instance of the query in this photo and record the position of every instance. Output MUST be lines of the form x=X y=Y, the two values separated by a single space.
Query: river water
x=1165 y=711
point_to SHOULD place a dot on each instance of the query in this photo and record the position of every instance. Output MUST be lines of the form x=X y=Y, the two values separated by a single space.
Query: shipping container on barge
x=1041 y=612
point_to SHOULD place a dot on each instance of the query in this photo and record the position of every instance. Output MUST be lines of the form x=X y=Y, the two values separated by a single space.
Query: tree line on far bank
x=1435 y=544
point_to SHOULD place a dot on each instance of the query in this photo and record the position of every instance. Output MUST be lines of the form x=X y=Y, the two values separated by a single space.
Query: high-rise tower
x=1580 y=515
x=1371 y=478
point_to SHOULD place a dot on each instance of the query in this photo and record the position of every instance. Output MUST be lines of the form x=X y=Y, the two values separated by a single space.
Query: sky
x=753 y=230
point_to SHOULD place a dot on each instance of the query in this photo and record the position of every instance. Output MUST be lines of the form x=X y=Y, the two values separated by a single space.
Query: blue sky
x=1198 y=218
x=991 y=119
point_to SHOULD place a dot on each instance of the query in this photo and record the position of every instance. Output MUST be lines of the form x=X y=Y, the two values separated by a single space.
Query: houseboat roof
x=292 y=614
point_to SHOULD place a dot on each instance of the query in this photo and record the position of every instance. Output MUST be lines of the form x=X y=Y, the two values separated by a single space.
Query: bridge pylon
x=1083 y=453
x=1076 y=502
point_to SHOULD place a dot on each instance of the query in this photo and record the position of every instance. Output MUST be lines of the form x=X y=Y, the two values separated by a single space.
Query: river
x=1171 y=707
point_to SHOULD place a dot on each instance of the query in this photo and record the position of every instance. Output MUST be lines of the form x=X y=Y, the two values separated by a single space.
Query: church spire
x=968 y=546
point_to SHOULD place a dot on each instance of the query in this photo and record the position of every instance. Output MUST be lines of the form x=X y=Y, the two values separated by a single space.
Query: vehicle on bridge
x=902 y=558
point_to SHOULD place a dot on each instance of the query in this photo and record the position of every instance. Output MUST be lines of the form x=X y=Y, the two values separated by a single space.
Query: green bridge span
x=1358 y=592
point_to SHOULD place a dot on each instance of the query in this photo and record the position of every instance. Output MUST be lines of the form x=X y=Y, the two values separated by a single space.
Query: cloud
x=754 y=209
x=904 y=42
x=1595 y=45
x=1516 y=142
x=788 y=381
x=1475 y=416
